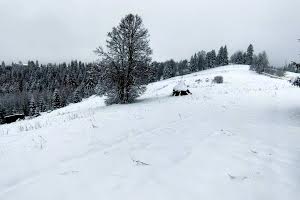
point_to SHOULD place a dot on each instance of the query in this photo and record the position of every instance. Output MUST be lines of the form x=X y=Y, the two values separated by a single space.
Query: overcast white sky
x=61 y=30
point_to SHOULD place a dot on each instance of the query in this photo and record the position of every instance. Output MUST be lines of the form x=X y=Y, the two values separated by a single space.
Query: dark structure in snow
x=12 y=118
x=181 y=89
x=296 y=82
x=297 y=65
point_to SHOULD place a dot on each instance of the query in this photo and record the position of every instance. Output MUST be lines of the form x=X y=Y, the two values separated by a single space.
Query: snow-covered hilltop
x=236 y=140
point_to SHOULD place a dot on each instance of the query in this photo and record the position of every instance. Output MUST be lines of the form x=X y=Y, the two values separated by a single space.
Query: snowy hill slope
x=237 y=140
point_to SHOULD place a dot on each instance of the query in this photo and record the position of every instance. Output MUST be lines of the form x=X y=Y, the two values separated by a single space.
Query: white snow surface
x=236 y=140
x=291 y=76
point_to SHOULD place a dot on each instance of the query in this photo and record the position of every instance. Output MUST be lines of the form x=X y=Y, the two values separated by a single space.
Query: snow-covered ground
x=236 y=140
x=291 y=75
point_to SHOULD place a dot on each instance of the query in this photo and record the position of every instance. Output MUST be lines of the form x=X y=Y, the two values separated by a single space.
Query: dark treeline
x=199 y=61
x=241 y=57
x=33 y=88
x=258 y=62
x=292 y=67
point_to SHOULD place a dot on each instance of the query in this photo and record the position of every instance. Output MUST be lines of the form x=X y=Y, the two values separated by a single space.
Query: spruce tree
x=201 y=60
x=90 y=82
x=183 y=67
x=225 y=56
x=245 y=58
x=157 y=69
x=41 y=105
x=32 y=106
x=76 y=96
x=56 y=101
x=260 y=62
x=193 y=67
x=222 y=57
x=210 y=59
x=249 y=55
x=219 y=59
x=2 y=114
x=237 y=58
x=169 y=69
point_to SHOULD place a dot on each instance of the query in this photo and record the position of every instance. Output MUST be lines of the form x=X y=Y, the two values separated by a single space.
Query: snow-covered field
x=236 y=140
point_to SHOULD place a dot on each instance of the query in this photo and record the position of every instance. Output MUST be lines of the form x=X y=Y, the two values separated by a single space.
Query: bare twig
x=138 y=162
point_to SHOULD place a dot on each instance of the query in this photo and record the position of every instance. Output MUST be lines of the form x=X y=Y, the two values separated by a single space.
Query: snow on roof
x=181 y=86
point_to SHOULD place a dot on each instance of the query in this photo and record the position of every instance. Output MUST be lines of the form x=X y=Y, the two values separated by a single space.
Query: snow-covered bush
x=218 y=79
x=275 y=71
x=280 y=72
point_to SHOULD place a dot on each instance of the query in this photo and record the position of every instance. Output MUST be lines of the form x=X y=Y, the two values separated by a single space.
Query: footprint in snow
x=69 y=173
x=237 y=178
x=253 y=151
x=225 y=132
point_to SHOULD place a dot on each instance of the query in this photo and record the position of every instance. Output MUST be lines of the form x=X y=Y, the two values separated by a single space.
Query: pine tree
x=249 y=55
x=210 y=59
x=260 y=62
x=37 y=111
x=2 y=113
x=90 y=82
x=169 y=69
x=183 y=67
x=201 y=60
x=41 y=105
x=245 y=57
x=125 y=67
x=237 y=58
x=225 y=56
x=32 y=106
x=156 y=71
x=219 y=59
x=37 y=63
x=76 y=96
x=222 y=57
x=193 y=67
x=56 y=101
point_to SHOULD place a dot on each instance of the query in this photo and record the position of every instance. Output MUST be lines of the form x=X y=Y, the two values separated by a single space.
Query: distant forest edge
x=32 y=88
